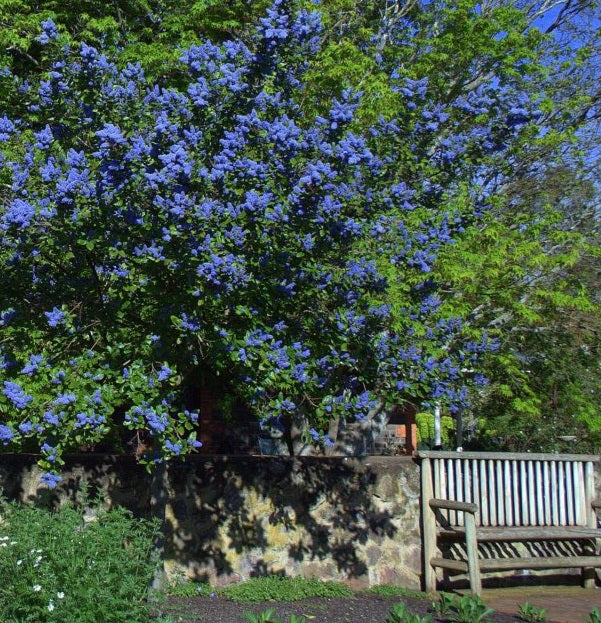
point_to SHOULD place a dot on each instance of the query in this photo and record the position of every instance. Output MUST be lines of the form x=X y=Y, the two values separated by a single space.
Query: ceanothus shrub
x=151 y=229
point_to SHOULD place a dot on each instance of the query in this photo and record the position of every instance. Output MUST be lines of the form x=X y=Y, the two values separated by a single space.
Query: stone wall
x=228 y=518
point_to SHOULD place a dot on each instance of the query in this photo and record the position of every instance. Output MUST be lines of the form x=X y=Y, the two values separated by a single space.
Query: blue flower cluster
x=291 y=254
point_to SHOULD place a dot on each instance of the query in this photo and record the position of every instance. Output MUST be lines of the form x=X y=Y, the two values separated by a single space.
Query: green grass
x=274 y=588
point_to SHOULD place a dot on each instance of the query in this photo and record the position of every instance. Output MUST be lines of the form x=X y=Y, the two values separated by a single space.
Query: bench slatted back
x=515 y=489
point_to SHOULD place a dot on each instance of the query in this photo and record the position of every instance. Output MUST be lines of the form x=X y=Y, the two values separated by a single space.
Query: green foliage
x=189 y=589
x=278 y=588
x=528 y=279
x=594 y=616
x=269 y=616
x=155 y=30
x=425 y=428
x=531 y=613
x=400 y=614
x=54 y=566
x=462 y=609
x=392 y=590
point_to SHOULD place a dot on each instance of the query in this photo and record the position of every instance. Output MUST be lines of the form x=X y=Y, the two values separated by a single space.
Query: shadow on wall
x=228 y=518
x=234 y=517
x=111 y=480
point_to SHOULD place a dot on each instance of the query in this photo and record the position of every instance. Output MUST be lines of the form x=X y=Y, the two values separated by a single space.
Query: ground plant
x=400 y=614
x=270 y=616
x=531 y=613
x=594 y=616
x=462 y=609
x=283 y=589
x=54 y=566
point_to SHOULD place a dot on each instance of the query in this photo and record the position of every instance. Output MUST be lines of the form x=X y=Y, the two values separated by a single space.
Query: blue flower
x=16 y=395
x=49 y=32
x=44 y=138
x=176 y=448
x=6 y=434
x=32 y=365
x=19 y=212
x=164 y=373
x=7 y=127
x=64 y=399
x=55 y=317
x=50 y=480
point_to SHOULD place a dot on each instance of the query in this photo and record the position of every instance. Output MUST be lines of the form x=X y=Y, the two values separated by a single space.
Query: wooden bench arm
x=454 y=505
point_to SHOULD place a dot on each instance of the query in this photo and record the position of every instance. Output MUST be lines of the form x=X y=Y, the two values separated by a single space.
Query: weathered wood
x=509 y=497
x=459 y=566
x=590 y=504
x=471 y=546
x=549 y=562
x=531 y=533
x=509 y=456
x=454 y=505
x=428 y=526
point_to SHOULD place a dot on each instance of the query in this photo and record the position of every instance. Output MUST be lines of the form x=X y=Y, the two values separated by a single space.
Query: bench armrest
x=596 y=504
x=453 y=505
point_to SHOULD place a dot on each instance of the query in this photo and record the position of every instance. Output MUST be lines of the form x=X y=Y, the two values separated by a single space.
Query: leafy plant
x=531 y=613
x=462 y=609
x=283 y=589
x=268 y=616
x=189 y=589
x=400 y=614
x=594 y=616
x=56 y=567
x=444 y=604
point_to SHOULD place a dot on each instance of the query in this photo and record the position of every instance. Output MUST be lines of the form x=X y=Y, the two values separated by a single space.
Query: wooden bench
x=490 y=500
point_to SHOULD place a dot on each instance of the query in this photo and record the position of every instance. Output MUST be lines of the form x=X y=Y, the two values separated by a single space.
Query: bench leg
x=428 y=527
x=588 y=573
x=429 y=553
x=473 y=566
x=588 y=577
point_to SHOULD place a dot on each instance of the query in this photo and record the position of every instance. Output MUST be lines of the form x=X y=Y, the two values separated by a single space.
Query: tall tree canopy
x=247 y=209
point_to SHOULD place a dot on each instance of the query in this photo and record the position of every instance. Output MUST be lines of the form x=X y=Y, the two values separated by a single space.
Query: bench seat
x=477 y=499
x=523 y=562
x=518 y=533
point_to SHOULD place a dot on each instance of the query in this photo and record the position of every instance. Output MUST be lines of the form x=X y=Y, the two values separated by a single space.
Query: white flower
x=37 y=561
x=60 y=595
x=50 y=606
x=37 y=588
x=19 y=563
x=3 y=538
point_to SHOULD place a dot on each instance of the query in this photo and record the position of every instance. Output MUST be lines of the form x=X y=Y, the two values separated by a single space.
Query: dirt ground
x=361 y=608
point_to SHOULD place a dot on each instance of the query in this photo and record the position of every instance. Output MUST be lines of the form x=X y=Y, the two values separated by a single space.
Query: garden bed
x=359 y=608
